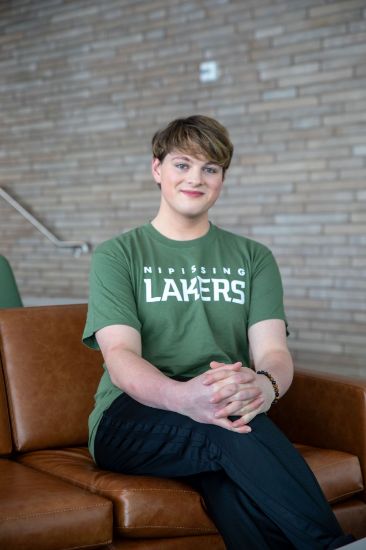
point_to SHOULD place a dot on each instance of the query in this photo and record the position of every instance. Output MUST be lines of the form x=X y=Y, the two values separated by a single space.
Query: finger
x=216 y=376
x=242 y=375
x=247 y=394
x=235 y=392
x=253 y=406
x=248 y=416
x=221 y=372
x=235 y=408
x=231 y=409
x=229 y=425
x=226 y=392
x=216 y=364
x=241 y=429
x=239 y=423
x=244 y=420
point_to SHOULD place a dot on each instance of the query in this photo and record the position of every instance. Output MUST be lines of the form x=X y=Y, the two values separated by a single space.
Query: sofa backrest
x=50 y=376
x=5 y=434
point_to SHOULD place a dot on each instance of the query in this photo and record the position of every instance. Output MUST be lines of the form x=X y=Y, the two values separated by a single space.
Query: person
x=190 y=321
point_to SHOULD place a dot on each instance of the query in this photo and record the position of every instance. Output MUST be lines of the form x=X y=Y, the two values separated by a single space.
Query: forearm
x=147 y=385
x=279 y=364
x=142 y=380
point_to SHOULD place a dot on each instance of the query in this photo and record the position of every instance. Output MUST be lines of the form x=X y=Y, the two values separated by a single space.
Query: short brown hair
x=197 y=134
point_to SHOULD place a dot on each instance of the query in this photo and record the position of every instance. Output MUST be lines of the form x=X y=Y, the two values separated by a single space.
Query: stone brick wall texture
x=83 y=86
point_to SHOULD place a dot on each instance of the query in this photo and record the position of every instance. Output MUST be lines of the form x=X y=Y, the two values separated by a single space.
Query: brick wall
x=83 y=85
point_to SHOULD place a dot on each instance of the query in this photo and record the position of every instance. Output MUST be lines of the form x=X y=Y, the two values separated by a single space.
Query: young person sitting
x=181 y=309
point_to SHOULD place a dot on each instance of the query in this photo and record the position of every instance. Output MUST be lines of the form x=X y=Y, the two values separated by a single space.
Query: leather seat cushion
x=338 y=473
x=143 y=506
x=151 y=507
x=40 y=511
x=204 y=542
x=351 y=515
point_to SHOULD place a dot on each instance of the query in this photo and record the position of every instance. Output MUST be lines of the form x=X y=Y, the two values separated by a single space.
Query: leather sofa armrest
x=325 y=410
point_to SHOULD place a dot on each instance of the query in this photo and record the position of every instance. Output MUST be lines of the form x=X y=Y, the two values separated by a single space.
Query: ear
x=155 y=169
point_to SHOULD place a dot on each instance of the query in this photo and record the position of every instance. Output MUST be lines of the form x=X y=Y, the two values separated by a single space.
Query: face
x=189 y=185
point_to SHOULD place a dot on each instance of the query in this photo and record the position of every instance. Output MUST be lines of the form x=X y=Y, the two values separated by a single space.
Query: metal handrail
x=77 y=246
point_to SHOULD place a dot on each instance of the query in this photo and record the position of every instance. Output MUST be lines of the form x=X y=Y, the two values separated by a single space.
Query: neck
x=181 y=229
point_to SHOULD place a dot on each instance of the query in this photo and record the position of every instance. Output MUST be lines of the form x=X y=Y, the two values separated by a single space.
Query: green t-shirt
x=192 y=301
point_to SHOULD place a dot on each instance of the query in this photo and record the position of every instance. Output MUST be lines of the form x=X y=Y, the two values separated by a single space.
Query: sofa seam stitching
x=40 y=514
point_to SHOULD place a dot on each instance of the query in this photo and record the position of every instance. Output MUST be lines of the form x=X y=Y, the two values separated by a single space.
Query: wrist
x=174 y=395
x=271 y=383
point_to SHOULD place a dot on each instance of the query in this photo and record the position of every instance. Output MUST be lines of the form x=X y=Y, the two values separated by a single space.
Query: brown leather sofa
x=53 y=497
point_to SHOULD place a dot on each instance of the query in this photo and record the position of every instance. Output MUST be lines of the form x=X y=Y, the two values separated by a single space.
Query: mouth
x=191 y=193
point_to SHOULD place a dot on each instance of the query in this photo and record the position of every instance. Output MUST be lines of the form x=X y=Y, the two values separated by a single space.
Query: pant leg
x=136 y=439
x=275 y=476
x=237 y=517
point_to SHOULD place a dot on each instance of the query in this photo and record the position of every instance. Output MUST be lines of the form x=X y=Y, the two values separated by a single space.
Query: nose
x=195 y=176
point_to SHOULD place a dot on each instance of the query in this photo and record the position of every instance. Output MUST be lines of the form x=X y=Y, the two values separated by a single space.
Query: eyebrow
x=189 y=159
x=182 y=157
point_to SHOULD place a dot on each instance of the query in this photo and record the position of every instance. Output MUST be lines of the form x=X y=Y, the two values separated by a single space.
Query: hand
x=239 y=392
x=201 y=401
x=250 y=411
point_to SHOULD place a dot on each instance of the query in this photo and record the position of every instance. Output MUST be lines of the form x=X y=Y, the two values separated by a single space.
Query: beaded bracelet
x=274 y=385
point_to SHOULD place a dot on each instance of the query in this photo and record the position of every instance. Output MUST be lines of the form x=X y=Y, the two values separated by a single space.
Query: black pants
x=257 y=488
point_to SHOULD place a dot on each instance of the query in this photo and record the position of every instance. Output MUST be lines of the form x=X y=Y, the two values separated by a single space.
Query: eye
x=181 y=166
x=211 y=169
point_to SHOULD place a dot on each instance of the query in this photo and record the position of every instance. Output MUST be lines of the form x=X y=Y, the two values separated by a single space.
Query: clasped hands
x=225 y=391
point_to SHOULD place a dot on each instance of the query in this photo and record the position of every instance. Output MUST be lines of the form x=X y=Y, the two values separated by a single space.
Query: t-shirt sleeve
x=266 y=295
x=111 y=295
